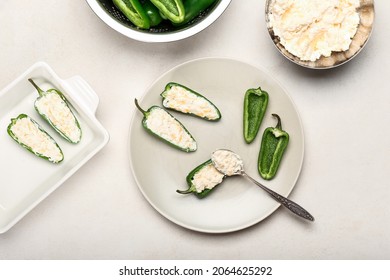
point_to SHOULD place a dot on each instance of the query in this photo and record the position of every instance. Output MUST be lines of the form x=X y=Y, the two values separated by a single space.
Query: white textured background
x=99 y=213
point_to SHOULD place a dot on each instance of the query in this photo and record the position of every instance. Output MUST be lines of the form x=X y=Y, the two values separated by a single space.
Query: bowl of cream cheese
x=320 y=34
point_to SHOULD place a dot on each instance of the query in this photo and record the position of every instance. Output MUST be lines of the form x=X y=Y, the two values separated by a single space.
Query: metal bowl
x=165 y=32
x=366 y=13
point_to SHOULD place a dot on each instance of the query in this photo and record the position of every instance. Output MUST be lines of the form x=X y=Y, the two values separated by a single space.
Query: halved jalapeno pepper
x=166 y=127
x=31 y=136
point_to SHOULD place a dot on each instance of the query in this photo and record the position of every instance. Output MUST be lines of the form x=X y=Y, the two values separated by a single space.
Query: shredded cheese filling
x=310 y=29
x=28 y=133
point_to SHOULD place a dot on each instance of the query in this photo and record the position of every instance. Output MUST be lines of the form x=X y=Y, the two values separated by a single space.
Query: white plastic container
x=25 y=178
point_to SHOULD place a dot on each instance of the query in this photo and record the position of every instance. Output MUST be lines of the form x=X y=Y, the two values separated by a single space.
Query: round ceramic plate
x=160 y=170
x=366 y=13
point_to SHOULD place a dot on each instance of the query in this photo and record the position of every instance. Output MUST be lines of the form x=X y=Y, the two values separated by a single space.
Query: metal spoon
x=230 y=164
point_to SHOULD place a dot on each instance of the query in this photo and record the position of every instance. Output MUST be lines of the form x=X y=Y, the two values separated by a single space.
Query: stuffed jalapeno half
x=53 y=107
x=134 y=11
x=31 y=136
x=164 y=126
x=255 y=105
x=203 y=179
x=187 y=101
x=171 y=9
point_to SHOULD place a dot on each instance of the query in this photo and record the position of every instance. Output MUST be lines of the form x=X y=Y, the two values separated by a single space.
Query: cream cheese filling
x=28 y=133
x=167 y=127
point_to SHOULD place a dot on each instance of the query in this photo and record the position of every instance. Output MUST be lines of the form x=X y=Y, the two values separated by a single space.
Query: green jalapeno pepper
x=185 y=100
x=162 y=15
x=255 y=105
x=134 y=11
x=31 y=136
x=152 y=12
x=172 y=9
x=164 y=126
x=53 y=107
x=203 y=179
x=273 y=145
x=193 y=8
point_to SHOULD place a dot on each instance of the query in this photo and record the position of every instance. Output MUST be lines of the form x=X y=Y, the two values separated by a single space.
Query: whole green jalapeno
x=273 y=145
x=185 y=100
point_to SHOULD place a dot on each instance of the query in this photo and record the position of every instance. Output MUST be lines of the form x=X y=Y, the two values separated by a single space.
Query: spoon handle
x=290 y=205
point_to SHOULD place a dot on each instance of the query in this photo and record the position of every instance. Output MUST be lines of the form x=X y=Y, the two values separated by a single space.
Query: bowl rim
x=158 y=37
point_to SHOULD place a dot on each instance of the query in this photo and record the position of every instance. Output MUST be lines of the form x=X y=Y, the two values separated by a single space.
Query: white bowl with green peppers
x=158 y=20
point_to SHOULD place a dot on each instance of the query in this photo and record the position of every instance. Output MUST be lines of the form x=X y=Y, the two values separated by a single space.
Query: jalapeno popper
x=31 y=136
x=53 y=107
x=255 y=105
x=203 y=179
x=273 y=145
x=185 y=100
x=163 y=125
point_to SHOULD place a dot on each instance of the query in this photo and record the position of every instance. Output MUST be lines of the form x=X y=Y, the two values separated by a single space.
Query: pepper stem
x=36 y=87
x=184 y=192
x=139 y=107
x=279 y=124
